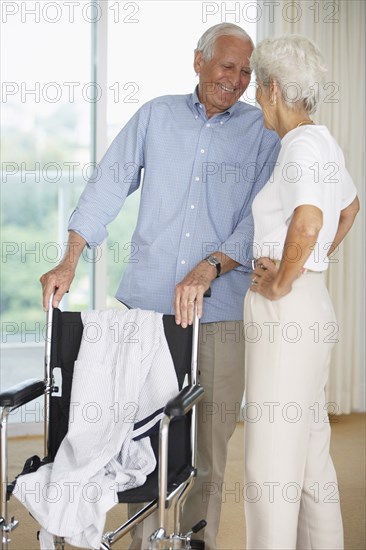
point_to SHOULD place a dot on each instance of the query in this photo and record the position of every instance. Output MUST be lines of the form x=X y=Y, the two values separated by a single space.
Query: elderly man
x=205 y=156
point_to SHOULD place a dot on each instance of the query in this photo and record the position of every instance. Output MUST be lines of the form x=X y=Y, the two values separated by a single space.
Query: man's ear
x=198 y=60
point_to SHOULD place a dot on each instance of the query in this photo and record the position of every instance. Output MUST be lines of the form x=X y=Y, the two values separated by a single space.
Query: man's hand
x=59 y=279
x=194 y=285
x=56 y=281
x=192 y=289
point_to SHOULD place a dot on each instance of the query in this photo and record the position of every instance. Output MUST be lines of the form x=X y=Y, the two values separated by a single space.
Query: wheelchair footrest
x=159 y=541
x=150 y=490
x=31 y=465
x=8 y=527
x=197 y=544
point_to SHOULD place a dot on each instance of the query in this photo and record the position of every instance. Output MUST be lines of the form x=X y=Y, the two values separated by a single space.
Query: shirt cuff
x=90 y=230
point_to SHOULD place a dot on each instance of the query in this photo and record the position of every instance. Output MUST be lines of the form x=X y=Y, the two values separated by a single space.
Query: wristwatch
x=215 y=262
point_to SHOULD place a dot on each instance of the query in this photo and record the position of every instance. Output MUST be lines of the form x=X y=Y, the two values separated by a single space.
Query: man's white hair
x=296 y=64
x=206 y=43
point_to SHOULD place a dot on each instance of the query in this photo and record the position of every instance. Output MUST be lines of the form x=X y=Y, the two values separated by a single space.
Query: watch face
x=215 y=263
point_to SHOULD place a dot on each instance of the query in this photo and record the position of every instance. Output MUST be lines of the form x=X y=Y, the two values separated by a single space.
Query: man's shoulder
x=248 y=115
x=171 y=99
x=252 y=116
x=242 y=107
x=161 y=105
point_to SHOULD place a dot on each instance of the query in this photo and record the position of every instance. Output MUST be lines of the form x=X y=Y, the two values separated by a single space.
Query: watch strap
x=215 y=262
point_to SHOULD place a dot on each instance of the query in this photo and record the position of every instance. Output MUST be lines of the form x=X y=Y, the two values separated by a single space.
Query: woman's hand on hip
x=265 y=280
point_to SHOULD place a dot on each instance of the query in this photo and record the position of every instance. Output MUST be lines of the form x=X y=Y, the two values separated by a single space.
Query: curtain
x=338 y=28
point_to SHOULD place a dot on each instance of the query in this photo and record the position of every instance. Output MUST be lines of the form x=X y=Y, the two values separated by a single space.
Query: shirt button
x=188 y=234
x=192 y=206
x=221 y=122
x=195 y=116
x=208 y=125
x=202 y=150
x=197 y=178
x=183 y=262
x=200 y=106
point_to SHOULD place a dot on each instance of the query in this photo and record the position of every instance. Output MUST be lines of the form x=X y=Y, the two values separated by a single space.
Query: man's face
x=225 y=77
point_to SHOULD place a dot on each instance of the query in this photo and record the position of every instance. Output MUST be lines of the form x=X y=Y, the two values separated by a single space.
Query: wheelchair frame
x=181 y=405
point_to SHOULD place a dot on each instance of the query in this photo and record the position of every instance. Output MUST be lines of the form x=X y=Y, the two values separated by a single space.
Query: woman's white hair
x=296 y=64
x=206 y=43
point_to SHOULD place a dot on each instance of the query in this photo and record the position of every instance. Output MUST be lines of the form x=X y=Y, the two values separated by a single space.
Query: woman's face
x=267 y=104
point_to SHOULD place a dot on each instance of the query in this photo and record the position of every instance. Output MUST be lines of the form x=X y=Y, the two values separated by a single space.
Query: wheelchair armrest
x=184 y=401
x=22 y=393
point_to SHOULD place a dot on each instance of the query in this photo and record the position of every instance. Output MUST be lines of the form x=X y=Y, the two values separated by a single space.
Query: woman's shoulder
x=312 y=140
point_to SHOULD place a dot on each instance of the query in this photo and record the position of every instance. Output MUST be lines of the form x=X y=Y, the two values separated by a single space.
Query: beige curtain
x=338 y=28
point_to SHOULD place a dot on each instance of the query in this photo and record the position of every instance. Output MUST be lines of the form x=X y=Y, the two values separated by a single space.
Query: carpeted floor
x=348 y=451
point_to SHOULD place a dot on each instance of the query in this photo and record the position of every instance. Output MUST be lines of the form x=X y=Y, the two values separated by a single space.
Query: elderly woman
x=301 y=216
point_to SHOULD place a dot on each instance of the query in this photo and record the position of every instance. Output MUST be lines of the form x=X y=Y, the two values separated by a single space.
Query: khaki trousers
x=221 y=366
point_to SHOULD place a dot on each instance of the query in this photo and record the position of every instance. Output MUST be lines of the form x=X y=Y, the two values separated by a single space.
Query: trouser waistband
x=277 y=264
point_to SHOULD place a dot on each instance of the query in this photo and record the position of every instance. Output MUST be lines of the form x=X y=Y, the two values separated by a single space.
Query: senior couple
x=225 y=182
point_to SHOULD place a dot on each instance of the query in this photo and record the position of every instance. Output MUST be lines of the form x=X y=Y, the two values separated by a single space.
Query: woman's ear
x=273 y=91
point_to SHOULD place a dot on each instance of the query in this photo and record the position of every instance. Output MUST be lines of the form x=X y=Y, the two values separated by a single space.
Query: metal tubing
x=59 y=543
x=47 y=374
x=4 y=476
x=163 y=469
x=178 y=510
x=194 y=370
x=112 y=537
x=194 y=381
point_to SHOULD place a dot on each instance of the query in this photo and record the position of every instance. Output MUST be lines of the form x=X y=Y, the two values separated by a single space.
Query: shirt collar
x=198 y=108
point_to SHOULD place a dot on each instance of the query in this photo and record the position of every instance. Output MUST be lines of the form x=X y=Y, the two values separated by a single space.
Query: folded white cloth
x=124 y=374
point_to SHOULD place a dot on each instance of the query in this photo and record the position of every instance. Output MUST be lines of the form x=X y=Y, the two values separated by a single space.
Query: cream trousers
x=290 y=492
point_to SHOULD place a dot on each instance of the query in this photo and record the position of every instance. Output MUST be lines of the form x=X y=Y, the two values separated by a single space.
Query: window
x=45 y=156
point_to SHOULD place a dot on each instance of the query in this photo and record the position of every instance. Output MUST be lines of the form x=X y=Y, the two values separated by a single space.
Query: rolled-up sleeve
x=349 y=190
x=114 y=178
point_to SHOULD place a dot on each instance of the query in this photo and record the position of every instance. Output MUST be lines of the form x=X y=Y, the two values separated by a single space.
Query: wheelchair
x=174 y=442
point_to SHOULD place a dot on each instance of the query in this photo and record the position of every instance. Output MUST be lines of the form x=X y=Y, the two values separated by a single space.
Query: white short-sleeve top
x=310 y=169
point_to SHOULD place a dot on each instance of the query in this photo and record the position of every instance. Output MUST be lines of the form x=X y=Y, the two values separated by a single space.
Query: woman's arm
x=302 y=235
x=346 y=220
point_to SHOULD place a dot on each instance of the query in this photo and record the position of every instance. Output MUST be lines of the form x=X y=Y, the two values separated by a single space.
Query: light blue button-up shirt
x=200 y=176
